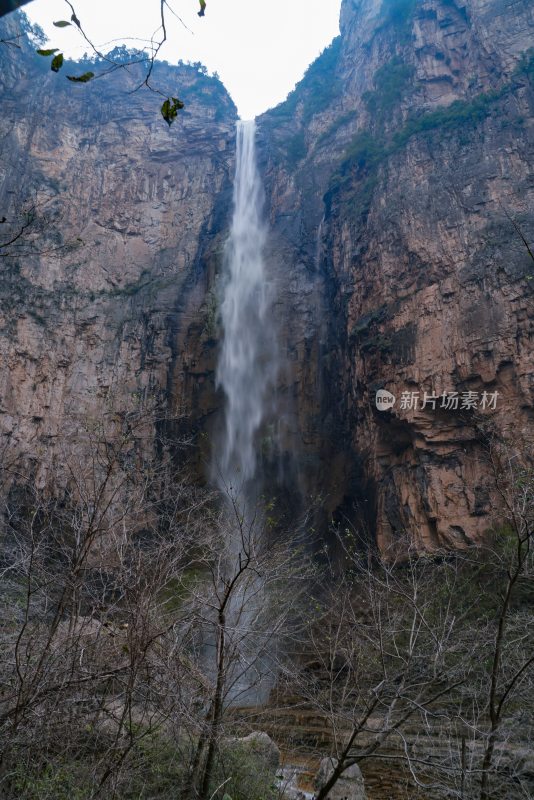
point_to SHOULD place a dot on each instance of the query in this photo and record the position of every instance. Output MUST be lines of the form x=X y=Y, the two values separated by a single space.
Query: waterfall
x=247 y=364
x=246 y=371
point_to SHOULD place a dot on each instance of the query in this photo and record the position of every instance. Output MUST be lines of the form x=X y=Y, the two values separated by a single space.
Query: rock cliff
x=399 y=180
x=105 y=300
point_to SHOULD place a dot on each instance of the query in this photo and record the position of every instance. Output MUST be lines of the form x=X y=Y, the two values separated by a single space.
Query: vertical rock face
x=105 y=300
x=400 y=176
x=399 y=184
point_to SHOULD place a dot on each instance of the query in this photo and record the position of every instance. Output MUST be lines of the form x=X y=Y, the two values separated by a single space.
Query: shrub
x=49 y=782
x=526 y=65
x=391 y=82
x=457 y=115
x=296 y=148
x=368 y=150
x=245 y=774
x=398 y=14
x=318 y=87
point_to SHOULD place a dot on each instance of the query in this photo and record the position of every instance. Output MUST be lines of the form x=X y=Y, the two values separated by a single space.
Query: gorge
x=323 y=316
x=427 y=106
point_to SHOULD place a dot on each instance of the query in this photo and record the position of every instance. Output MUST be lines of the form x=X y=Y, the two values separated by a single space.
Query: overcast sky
x=260 y=48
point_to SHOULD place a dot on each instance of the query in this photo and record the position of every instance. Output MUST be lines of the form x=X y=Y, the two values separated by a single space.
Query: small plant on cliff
x=211 y=315
x=399 y=14
x=359 y=167
x=526 y=65
x=391 y=82
x=358 y=171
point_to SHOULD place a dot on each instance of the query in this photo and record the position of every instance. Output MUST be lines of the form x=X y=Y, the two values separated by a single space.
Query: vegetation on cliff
x=370 y=148
x=143 y=59
x=317 y=89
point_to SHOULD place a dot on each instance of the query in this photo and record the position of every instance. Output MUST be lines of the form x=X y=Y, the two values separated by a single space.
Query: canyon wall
x=400 y=180
x=399 y=177
x=105 y=301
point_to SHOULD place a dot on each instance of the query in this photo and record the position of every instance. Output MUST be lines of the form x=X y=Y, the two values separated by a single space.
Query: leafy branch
x=171 y=105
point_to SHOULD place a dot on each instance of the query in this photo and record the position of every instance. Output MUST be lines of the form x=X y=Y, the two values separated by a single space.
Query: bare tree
x=425 y=661
x=380 y=654
x=247 y=616
x=88 y=569
x=137 y=609
x=511 y=651
x=24 y=230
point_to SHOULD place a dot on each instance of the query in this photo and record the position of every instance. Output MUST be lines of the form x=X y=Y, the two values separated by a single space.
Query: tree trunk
x=485 y=793
x=331 y=782
x=217 y=711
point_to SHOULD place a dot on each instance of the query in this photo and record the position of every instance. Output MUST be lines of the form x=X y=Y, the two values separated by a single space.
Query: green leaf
x=57 y=62
x=202 y=11
x=46 y=52
x=85 y=78
x=62 y=24
x=170 y=108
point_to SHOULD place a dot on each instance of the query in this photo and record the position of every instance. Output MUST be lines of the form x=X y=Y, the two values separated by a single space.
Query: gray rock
x=262 y=745
x=349 y=787
x=287 y=782
x=290 y=793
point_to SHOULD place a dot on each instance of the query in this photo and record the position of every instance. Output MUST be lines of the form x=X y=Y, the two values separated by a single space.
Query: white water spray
x=247 y=370
x=247 y=365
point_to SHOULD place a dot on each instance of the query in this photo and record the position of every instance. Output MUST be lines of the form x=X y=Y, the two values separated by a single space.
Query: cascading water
x=247 y=365
x=246 y=371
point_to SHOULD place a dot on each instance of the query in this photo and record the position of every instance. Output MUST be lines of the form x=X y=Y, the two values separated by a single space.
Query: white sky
x=260 y=48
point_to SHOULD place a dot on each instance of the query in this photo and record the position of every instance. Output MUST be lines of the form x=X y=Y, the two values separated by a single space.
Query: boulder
x=349 y=787
x=262 y=745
